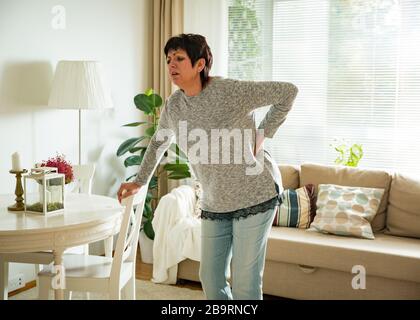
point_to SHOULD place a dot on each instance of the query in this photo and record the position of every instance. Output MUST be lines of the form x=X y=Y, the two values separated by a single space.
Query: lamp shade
x=79 y=85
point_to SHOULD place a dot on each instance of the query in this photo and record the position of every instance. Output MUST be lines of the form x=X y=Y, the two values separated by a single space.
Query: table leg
x=4 y=279
x=60 y=280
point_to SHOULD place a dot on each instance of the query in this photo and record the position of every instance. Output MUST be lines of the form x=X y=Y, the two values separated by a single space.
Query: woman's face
x=180 y=70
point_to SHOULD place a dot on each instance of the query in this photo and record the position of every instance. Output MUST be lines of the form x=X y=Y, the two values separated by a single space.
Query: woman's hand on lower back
x=127 y=189
x=259 y=143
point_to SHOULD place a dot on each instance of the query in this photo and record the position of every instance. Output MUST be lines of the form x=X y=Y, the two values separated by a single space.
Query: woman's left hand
x=259 y=143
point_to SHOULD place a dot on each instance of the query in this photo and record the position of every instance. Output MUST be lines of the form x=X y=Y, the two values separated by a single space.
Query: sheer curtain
x=357 y=66
x=168 y=21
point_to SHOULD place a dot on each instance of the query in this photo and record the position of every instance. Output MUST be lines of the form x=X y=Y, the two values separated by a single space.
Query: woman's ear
x=201 y=63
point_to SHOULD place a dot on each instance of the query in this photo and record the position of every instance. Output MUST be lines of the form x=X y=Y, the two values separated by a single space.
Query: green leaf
x=133 y=161
x=179 y=175
x=174 y=148
x=150 y=131
x=134 y=150
x=157 y=100
x=147 y=210
x=128 y=144
x=131 y=177
x=179 y=160
x=153 y=183
x=148 y=230
x=180 y=156
x=176 y=167
x=149 y=92
x=144 y=103
x=147 y=103
x=136 y=124
x=142 y=152
x=348 y=156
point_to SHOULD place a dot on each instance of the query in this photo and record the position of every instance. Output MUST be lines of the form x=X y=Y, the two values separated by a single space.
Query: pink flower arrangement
x=62 y=165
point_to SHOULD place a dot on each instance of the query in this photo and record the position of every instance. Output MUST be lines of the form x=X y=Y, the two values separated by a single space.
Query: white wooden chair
x=105 y=274
x=83 y=175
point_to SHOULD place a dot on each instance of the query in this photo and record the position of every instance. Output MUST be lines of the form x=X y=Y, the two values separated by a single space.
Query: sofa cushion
x=289 y=176
x=297 y=209
x=403 y=217
x=346 y=211
x=347 y=176
x=386 y=256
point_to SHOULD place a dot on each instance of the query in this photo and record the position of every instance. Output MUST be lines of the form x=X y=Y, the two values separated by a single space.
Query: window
x=357 y=66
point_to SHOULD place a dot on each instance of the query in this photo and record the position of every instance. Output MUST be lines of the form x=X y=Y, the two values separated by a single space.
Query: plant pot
x=146 y=248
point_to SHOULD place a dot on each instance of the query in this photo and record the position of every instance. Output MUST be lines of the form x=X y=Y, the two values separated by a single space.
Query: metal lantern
x=46 y=188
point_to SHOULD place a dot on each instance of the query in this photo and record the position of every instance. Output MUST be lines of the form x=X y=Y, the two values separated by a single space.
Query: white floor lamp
x=79 y=85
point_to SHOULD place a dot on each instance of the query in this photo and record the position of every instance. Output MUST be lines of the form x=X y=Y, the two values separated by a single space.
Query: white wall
x=111 y=31
x=207 y=17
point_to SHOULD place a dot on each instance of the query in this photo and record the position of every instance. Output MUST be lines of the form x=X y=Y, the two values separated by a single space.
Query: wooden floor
x=144 y=271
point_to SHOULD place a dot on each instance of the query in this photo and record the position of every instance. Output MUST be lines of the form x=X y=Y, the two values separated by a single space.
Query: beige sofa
x=305 y=264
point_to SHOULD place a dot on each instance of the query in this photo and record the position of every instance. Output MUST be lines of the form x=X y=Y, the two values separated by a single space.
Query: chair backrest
x=126 y=248
x=83 y=174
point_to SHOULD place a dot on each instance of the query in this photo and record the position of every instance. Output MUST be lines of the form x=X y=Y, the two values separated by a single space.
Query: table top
x=79 y=210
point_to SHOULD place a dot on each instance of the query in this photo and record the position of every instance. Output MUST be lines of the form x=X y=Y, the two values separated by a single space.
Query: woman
x=239 y=196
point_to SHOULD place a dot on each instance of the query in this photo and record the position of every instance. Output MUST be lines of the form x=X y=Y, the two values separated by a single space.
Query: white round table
x=85 y=219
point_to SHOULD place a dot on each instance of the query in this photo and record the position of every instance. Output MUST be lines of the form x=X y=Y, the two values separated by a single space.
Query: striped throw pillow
x=298 y=208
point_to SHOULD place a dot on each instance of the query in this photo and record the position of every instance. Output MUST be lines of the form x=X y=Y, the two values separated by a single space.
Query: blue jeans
x=242 y=242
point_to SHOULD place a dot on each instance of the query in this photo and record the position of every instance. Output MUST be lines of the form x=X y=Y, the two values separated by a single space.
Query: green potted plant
x=348 y=155
x=150 y=104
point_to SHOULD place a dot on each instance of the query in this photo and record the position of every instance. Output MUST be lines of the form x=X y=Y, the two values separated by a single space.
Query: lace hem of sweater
x=241 y=213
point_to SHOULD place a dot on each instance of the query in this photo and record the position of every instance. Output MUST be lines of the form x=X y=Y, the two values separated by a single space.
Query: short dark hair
x=196 y=47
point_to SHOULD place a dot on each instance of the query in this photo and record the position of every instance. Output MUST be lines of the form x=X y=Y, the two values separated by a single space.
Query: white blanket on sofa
x=177 y=233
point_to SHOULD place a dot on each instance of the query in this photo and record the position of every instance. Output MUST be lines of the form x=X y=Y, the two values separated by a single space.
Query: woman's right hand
x=130 y=188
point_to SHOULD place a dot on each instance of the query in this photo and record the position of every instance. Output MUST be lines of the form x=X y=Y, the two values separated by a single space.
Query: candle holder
x=18 y=206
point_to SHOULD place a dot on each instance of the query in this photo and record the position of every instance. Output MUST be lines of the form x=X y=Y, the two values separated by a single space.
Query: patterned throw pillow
x=297 y=209
x=346 y=211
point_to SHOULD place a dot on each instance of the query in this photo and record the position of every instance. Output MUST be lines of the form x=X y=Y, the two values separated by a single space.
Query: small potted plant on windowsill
x=348 y=155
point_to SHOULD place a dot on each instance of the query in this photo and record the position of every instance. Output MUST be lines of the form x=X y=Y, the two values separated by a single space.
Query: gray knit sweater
x=232 y=178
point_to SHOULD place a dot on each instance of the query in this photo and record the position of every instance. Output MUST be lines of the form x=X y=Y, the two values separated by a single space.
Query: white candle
x=16 y=162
